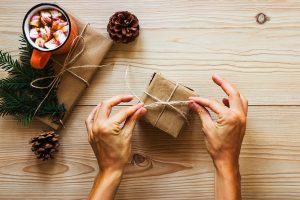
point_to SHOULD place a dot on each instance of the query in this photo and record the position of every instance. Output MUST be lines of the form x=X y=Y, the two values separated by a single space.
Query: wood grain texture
x=270 y=161
x=187 y=41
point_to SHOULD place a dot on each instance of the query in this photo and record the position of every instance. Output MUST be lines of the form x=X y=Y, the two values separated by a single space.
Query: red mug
x=40 y=55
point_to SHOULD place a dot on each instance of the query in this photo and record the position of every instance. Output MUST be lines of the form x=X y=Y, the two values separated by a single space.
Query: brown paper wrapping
x=164 y=117
x=71 y=88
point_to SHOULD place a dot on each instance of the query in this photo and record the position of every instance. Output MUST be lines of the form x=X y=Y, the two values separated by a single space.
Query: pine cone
x=45 y=144
x=123 y=27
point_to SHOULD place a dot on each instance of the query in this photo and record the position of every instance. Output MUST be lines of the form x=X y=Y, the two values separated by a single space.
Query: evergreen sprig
x=17 y=97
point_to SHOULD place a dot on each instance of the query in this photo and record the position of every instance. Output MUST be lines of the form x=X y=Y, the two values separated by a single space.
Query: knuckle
x=126 y=112
x=99 y=127
x=95 y=129
x=104 y=128
x=238 y=118
x=119 y=96
x=234 y=118
x=243 y=120
x=236 y=92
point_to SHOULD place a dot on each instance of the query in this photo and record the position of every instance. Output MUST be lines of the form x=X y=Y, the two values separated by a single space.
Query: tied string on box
x=70 y=58
x=158 y=102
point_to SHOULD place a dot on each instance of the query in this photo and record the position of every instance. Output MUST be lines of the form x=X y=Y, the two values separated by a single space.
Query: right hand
x=224 y=136
x=111 y=142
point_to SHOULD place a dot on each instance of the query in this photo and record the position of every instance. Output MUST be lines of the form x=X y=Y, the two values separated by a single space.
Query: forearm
x=105 y=185
x=227 y=182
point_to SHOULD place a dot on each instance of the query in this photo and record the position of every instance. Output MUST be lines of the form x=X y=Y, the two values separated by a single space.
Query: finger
x=245 y=104
x=226 y=102
x=106 y=106
x=90 y=119
x=232 y=92
x=123 y=114
x=202 y=112
x=130 y=122
x=212 y=104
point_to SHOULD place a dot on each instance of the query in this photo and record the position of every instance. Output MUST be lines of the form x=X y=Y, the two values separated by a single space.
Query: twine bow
x=159 y=102
x=70 y=58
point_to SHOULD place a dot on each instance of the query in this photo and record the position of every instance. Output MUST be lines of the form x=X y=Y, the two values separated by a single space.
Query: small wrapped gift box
x=70 y=88
x=170 y=118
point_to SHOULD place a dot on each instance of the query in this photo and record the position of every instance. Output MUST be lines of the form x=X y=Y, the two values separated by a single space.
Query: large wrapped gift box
x=71 y=88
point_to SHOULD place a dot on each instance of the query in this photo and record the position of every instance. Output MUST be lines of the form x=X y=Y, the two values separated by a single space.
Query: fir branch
x=6 y=61
x=17 y=97
x=13 y=83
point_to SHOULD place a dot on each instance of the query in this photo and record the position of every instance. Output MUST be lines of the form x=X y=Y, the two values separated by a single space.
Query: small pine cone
x=45 y=144
x=123 y=27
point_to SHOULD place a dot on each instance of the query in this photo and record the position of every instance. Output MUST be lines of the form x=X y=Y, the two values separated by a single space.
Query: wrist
x=115 y=175
x=227 y=180
x=106 y=184
x=227 y=169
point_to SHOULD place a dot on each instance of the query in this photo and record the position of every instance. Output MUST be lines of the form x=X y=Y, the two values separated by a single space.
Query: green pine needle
x=17 y=97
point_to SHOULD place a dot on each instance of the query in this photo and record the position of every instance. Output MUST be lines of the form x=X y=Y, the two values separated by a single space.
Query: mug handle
x=39 y=59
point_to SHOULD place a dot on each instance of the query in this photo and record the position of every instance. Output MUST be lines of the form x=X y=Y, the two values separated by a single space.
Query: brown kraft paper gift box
x=164 y=117
x=71 y=88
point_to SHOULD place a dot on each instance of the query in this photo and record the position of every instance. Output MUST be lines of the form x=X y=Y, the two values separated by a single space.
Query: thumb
x=131 y=121
x=202 y=112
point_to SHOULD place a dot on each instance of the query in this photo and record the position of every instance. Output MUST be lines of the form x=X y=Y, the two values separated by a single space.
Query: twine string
x=70 y=58
x=159 y=102
x=164 y=106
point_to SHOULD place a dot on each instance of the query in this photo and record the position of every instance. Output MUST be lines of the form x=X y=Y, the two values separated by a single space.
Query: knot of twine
x=159 y=102
x=70 y=58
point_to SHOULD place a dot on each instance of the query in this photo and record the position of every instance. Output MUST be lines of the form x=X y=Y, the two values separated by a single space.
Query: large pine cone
x=45 y=144
x=123 y=27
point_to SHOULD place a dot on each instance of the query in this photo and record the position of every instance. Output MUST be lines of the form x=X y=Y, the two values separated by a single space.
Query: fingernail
x=192 y=105
x=143 y=111
x=195 y=104
x=140 y=104
x=216 y=76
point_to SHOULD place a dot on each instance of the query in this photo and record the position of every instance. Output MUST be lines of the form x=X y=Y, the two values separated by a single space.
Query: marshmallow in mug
x=48 y=28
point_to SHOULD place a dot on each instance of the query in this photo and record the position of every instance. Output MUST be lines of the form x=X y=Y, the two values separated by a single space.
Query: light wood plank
x=176 y=14
x=252 y=59
x=173 y=169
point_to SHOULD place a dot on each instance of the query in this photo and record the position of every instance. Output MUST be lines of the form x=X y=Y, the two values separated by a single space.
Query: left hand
x=224 y=136
x=111 y=143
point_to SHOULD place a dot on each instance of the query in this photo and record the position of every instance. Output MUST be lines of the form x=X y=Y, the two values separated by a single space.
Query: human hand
x=111 y=143
x=224 y=136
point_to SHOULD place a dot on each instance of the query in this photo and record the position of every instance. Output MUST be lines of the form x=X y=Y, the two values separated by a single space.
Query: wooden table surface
x=187 y=41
